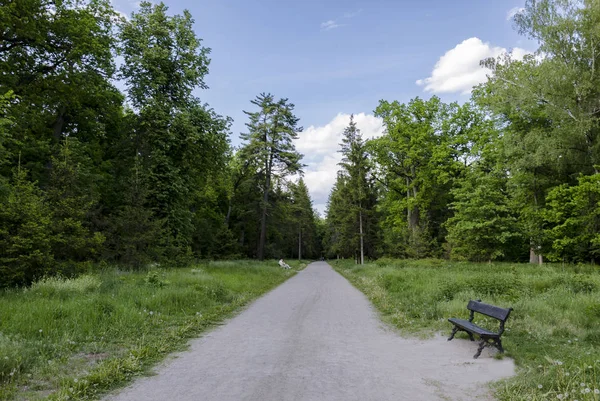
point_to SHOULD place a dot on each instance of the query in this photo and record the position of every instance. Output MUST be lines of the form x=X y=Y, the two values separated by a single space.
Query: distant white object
x=284 y=265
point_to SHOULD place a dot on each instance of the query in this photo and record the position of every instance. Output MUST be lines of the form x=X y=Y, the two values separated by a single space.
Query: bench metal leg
x=499 y=345
x=471 y=336
x=482 y=345
x=454 y=331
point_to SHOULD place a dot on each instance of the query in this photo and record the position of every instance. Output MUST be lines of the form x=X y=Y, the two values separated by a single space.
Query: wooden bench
x=487 y=337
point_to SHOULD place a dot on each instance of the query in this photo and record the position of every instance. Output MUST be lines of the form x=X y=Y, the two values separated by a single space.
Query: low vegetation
x=76 y=338
x=552 y=334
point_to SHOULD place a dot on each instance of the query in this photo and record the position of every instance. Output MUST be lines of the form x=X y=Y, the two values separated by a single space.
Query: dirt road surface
x=316 y=337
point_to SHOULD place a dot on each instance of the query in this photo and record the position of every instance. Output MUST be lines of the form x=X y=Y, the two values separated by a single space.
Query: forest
x=109 y=157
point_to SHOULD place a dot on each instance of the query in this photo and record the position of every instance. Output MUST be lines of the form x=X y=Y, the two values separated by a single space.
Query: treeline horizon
x=511 y=175
x=91 y=175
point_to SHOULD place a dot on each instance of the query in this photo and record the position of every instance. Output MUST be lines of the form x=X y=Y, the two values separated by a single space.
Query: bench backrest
x=489 y=310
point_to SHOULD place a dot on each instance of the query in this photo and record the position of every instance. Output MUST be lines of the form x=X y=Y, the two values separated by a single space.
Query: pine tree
x=268 y=145
x=25 y=234
x=356 y=166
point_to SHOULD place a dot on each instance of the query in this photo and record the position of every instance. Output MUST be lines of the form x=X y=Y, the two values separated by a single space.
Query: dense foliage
x=89 y=174
x=510 y=175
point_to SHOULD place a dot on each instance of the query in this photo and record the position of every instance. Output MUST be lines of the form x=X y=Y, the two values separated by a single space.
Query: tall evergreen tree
x=351 y=211
x=308 y=245
x=269 y=144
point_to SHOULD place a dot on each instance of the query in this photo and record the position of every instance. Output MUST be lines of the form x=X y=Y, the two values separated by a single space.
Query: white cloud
x=327 y=25
x=513 y=11
x=320 y=147
x=459 y=70
x=334 y=23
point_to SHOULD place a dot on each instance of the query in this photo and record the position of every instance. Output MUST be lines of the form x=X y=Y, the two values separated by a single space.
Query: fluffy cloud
x=459 y=70
x=320 y=147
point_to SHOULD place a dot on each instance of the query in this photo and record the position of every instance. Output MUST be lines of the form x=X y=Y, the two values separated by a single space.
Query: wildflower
x=582 y=384
x=5 y=357
x=587 y=390
x=567 y=374
x=540 y=366
x=589 y=366
x=560 y=396
x=569 y=341
x=151 y=313
x=75 y=380
x=40 y=330
x=596 y=391
x=540 y=386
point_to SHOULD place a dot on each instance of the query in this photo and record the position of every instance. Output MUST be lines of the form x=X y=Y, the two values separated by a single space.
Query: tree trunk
x=534 y=258
x=362 y=247
x=57 y=127
x=265 y=205
x=263 y=220
x=229 y=207
x=412 y=215
x=299 y=242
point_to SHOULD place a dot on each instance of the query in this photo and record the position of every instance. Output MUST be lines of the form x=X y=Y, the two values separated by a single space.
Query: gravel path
x=316 y=337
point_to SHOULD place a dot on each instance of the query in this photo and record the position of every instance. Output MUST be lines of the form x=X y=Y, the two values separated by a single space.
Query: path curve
x=316 y=337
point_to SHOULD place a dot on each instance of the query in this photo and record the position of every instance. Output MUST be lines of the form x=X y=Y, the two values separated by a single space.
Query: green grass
x=553 y=333
x=76 y=339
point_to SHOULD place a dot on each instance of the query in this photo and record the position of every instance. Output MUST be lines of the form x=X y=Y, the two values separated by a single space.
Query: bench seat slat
x=473 y=328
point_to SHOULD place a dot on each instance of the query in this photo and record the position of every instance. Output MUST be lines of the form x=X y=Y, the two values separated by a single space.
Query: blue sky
x=332 y=58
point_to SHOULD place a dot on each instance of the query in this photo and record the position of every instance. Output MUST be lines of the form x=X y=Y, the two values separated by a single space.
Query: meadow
x=76 y=338
x=553 y=333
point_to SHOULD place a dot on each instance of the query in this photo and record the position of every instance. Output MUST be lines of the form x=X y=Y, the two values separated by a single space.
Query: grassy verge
x=75 y=339
x=553 y=333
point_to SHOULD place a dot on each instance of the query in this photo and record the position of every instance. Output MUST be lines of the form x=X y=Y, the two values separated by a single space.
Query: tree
x=483 y=224
x=179 y=141
x=25 y=234
x=57 y=59
x=547 y=104
x=269 y=145
x=573 y=214
x=417 y=162
x=305 y=221
x=71 y=201
x=356 y=166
